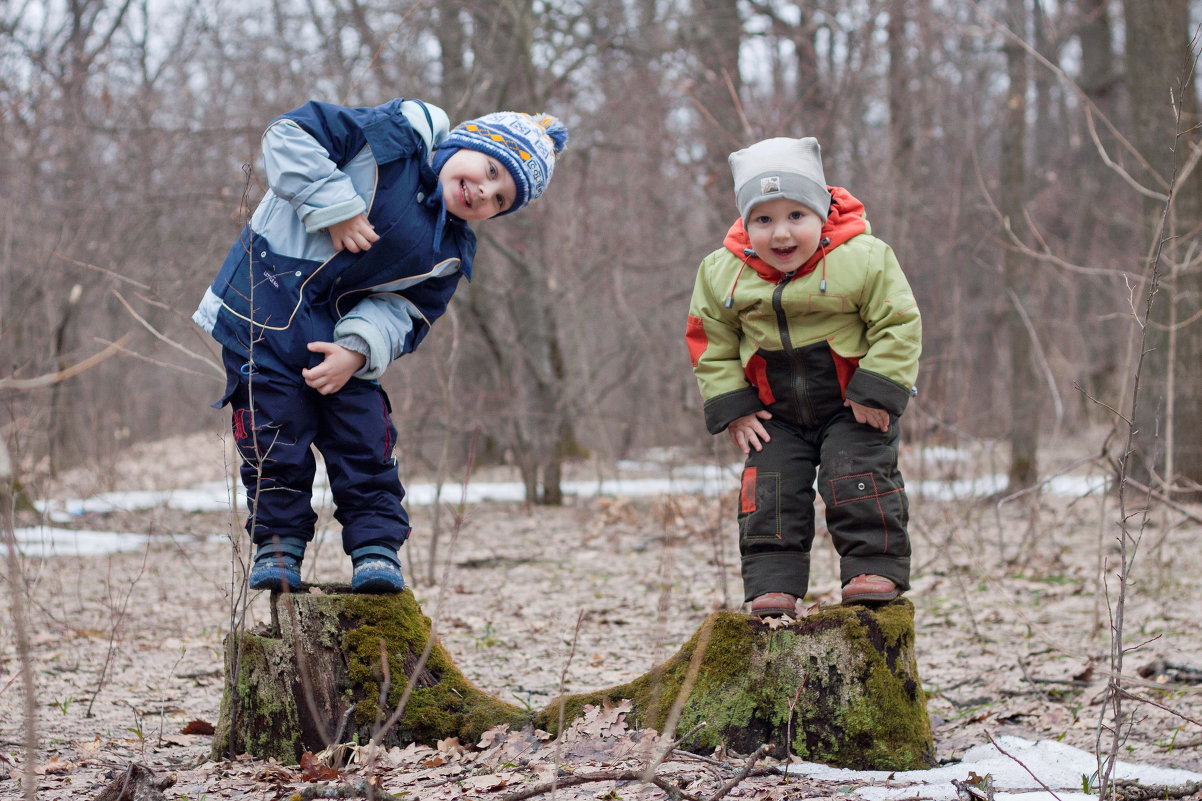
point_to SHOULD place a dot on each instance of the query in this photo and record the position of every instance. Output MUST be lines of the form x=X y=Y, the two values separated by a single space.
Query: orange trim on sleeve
x=695 y=336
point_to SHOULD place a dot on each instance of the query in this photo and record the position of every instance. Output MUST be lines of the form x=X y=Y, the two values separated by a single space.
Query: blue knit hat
x=526 y=144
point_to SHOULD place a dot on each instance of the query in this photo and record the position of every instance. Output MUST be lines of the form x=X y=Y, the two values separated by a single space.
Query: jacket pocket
x=759 y=505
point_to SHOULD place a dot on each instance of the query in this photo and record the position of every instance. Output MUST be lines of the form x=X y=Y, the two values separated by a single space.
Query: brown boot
x=868 y=587
x=773 y=604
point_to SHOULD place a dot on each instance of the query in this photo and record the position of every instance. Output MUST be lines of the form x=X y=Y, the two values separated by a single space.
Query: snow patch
x=1057 y=765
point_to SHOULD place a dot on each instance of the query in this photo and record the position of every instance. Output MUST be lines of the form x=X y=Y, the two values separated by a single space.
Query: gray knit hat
x=780 y=167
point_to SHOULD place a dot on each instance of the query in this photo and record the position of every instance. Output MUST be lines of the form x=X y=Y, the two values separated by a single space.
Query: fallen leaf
x=277 y=774
x=451 y=746
x=56 y=765
x=490 y=737
x=313 y=771
x=490 y=783
x=198 y=727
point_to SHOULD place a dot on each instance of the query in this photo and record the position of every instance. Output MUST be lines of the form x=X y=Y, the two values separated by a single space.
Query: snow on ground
x=1021 y=770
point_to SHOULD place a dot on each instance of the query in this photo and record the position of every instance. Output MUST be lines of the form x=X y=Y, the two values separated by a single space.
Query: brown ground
x=1013 y=633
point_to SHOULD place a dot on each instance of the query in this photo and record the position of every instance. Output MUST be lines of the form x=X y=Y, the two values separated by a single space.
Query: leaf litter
x=1012 y=628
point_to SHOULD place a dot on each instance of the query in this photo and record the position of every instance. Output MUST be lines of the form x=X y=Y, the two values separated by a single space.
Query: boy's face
x=475 y=186
x=784 y=233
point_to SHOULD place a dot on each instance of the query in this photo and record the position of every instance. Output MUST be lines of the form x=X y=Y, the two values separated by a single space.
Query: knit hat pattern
x=527 y=144
x=780 y=168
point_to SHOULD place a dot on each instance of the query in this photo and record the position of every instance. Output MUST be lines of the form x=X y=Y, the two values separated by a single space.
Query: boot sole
x=872 y=597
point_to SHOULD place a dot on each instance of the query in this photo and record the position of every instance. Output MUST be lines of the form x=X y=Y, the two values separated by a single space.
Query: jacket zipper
x=796 y=367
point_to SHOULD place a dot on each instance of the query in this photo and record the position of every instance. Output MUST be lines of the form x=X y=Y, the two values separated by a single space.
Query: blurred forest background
x=1019 y=155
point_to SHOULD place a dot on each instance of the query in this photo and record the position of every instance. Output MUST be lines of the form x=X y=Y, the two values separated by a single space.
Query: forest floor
x=1013 y=607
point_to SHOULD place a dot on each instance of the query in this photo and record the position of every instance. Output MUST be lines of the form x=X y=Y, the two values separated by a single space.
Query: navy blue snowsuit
x=283 y=286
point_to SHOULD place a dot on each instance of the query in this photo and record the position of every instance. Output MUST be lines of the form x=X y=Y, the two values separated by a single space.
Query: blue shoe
x=277 y=565
x=377 y=570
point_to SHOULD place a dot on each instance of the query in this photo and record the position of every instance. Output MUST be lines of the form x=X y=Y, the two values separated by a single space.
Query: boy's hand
x=748 y=432
x=335 y=369
x=877 y=418
x=355 y=234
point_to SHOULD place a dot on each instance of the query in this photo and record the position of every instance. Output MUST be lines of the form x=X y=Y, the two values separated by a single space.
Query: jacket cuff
x=357 y=328
x=872 y=389
x=725 y=409
x=318 y=219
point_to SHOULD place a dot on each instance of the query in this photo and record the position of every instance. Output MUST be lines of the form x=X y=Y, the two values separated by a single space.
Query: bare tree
x=1024 y=387
x=1161 y=58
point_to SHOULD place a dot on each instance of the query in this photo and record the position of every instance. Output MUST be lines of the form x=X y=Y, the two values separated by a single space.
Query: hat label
x=770 y=184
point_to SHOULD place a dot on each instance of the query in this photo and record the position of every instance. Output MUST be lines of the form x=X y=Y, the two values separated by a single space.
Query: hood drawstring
x=823 y=243
x=729 y=302
x=730 y=296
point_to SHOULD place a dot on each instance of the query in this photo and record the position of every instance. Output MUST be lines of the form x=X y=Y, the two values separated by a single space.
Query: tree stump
x=840 y=686
x=318 y=676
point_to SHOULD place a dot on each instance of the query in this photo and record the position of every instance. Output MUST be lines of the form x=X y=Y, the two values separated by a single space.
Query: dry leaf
x=198 y=727
x=313 y=771
x=56 y=766
x=450 y=746
x=489 y=783
x=90 y=748
x=276 y=774
x=490 y=737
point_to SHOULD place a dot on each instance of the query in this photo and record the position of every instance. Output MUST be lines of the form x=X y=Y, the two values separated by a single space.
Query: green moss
x=258 y=712
x=443 y=702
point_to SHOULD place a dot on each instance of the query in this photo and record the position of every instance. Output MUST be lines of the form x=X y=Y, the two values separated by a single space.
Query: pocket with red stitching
x=846 y=489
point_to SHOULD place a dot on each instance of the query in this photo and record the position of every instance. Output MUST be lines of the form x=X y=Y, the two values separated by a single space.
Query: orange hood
x=846 y=219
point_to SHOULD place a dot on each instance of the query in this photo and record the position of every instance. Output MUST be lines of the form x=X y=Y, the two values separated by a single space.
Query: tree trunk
x=1160 y=58
x=1024 y=388
x=840 y=686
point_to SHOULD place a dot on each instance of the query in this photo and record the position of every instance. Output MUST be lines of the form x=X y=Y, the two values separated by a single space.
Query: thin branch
x=1038 y=780
x=50 y=379
x=163 y=338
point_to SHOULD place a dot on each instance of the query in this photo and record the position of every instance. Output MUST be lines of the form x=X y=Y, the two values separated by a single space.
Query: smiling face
x=475 y=186
x=784 y=233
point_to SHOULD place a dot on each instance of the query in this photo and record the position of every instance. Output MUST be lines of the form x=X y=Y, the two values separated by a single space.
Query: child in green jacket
x=804 y=338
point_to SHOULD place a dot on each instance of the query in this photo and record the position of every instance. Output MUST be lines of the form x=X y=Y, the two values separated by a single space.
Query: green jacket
x=844 y=325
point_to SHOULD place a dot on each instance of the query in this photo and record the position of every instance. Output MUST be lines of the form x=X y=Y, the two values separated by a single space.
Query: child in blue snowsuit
x=354 y=251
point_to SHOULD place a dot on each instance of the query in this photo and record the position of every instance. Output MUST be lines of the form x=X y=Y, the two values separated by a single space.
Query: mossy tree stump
x=840 y=686
x=316 y=677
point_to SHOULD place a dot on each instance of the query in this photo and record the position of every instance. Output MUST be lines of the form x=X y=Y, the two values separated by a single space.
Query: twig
x=1128 y=790
x=49 y=379
x=563 y=682
x=420 y=665
x=686 y=688
x=1149 y=701
x=673 y=791
x=1038 y=780
x=759 y=754
x=16 y=585
x=119 y=618
x=572 y=780
x=1169 y=502
x=164 y=338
